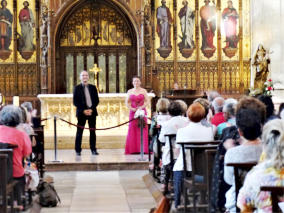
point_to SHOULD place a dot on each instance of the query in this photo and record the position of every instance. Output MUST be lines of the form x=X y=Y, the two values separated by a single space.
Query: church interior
x=223 y=55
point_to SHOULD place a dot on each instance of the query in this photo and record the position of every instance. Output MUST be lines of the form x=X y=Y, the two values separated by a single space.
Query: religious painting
x=208 y=27
x=230 y=18
x=187 y=22
x=26 y=43
x=6 y=23
x=163 y=29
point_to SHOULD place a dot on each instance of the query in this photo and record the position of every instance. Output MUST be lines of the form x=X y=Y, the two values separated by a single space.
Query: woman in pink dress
x=137 y=99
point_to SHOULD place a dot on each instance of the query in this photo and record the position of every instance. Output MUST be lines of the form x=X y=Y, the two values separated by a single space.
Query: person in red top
x=218 y=117
x=10 y=117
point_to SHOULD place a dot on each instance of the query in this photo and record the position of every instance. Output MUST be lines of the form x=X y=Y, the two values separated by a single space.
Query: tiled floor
x=108 y=191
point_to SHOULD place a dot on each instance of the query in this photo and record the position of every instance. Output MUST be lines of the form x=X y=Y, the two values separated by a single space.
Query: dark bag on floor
x=48 y=196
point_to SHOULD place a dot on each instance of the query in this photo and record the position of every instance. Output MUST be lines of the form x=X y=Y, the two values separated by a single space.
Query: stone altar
x=112 y=111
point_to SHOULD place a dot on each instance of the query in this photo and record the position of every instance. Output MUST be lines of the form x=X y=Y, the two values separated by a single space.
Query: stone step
x=103 y=142
x=108 y=159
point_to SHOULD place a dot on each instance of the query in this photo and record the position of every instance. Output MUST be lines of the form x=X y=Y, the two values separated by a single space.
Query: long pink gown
x=133 y=137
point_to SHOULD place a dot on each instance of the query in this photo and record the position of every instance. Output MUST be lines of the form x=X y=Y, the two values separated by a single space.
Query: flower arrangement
x=268 y=88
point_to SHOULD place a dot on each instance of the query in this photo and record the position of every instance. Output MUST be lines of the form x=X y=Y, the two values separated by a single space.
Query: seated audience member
x=30 y=111
x=162 y=110
x=281 y=111
x=183 y=107
x=10 y=117
x=230 y=138
x=269 y=107
x=157 y=120
x=229 y=111
x=269 y=172
x=211 y=95
x=170 y=127
x=206 y=106
x=248 y=102
x=24 y=125
x=218 y=117
x=249 y=125
x=194 y=131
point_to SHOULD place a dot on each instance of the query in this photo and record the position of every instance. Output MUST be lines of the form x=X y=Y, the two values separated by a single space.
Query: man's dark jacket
x=79 y=99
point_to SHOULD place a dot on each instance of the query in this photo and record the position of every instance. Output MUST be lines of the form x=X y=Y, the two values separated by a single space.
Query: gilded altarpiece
x=211 y=46
x=18 y=53
x=96 y=32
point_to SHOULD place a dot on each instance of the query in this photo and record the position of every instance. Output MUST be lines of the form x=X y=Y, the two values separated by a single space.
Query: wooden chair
x=39 y=149
x=210 y=157
x=276 y=192
x=6 y=181
x=240 y=171
x=171 y=138
x=199 y=167
x=156 y=170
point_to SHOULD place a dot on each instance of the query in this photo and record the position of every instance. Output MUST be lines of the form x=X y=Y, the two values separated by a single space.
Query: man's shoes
x=78 y=153
x=95 y=153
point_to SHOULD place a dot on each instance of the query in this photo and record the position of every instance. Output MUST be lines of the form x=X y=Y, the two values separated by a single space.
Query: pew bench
x=201 y=162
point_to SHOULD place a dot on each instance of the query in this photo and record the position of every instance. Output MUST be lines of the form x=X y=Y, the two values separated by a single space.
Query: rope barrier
x=45 y=119
x=97 y=128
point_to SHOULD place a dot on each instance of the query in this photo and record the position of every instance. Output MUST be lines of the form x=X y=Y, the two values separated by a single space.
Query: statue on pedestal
x=260 y=63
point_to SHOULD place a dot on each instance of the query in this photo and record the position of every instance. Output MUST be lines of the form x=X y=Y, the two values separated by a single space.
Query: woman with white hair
x=229 y=111
x=10 y=117
x=269 y=172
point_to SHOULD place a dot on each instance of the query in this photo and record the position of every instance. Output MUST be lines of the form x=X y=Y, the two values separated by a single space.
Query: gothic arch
x=57 y=24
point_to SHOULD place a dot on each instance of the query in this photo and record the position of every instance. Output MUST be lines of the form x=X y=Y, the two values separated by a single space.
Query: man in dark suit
x=85 y=98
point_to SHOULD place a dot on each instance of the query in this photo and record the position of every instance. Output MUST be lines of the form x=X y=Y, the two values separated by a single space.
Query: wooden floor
x=108 y=159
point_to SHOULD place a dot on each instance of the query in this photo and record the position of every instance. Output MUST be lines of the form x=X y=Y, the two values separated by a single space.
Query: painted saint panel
x=208 y=29
x=230 y=29
x=186 y=29
x=6 y=28
x=164 y=22
x=26 y=31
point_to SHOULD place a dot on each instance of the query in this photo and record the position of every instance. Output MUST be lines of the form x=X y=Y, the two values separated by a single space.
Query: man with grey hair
x=211 y=95
x=218 y=117
x=86 y=99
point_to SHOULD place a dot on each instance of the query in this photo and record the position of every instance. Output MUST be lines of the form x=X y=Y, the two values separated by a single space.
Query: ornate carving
x=147 y=34
x=104 y=22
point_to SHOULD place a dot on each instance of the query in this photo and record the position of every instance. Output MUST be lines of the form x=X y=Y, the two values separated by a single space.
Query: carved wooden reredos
x=223 y=65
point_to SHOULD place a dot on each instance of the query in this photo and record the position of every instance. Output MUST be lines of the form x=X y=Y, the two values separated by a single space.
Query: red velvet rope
x=96 y=128
x=82 y=127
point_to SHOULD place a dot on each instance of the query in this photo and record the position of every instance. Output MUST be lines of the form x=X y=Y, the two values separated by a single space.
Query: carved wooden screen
x=202 y=45
x=96 y=33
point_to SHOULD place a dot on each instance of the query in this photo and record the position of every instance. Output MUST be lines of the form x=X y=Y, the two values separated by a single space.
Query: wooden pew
x=210 y=157
x=240 y=171
x=156 y=161
x=199 y=167
x=39 y=149
x=6 y=180
x=276 y=192
x=171 y=138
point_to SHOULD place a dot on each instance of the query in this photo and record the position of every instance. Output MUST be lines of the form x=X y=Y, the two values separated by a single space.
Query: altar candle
x=16 y=100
